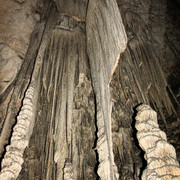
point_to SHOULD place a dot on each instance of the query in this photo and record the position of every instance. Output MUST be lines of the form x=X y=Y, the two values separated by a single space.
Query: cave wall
x=89 y=77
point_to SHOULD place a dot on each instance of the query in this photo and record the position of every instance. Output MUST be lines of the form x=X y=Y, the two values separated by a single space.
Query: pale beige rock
x=159 y=154
x=106 y=40
x=9 y=66
x=13 y=159
x=148 y=125
x=162 y=150
x=153 y=132
x=17 y=21
x=68 y=172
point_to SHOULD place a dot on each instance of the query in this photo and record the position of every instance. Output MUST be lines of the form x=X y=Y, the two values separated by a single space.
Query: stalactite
x=67 y=103
x=13 y=159
x=141 y=62
x=159 y=154
x=18 y=87
x=106 y=40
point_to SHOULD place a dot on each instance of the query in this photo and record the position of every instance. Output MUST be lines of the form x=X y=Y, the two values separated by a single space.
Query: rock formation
x=13 y=159
x=71 y=73
x=104 y=52
x=159 y=154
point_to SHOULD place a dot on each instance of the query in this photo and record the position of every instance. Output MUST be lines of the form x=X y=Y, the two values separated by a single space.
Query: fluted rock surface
x=106 y=40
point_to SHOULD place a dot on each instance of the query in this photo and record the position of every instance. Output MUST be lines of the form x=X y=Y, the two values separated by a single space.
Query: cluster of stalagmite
x=159 y=154
x=13 y=159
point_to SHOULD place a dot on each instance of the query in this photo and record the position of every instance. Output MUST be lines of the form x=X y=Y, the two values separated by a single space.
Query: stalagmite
x=13 y=159
x=22 y=131
x=159 y=154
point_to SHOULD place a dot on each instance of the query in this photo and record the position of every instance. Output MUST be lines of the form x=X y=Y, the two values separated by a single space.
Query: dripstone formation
x=159 y=154
x=71 y=75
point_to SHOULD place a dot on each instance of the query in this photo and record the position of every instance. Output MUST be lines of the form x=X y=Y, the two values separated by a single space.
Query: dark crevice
x=96 y=139
x=95 y=119
x=8 y=106
x=144 y=163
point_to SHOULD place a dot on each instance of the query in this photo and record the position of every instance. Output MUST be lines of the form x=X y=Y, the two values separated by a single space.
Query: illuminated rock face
x=104 y=46
x=18 y=21
x=71 y=73
x=13 y=159
x=159 y=154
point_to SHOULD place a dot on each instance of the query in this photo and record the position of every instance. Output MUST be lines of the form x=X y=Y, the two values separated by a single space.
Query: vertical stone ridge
x=106 y=40
x=159 y=154
x=13 y=158
x=70 y=100
x=22 y=131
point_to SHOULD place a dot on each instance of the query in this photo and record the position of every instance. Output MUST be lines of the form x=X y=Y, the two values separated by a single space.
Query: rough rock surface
x=82 y=86
x=159 y=154
x=106 y=40
x=17 y=22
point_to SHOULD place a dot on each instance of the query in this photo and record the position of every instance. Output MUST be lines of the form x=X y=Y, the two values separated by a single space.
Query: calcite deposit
x=161 y=158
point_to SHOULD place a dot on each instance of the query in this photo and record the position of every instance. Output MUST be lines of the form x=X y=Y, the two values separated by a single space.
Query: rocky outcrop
x=16 y=29
x=17 y=23
x=159 y=154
